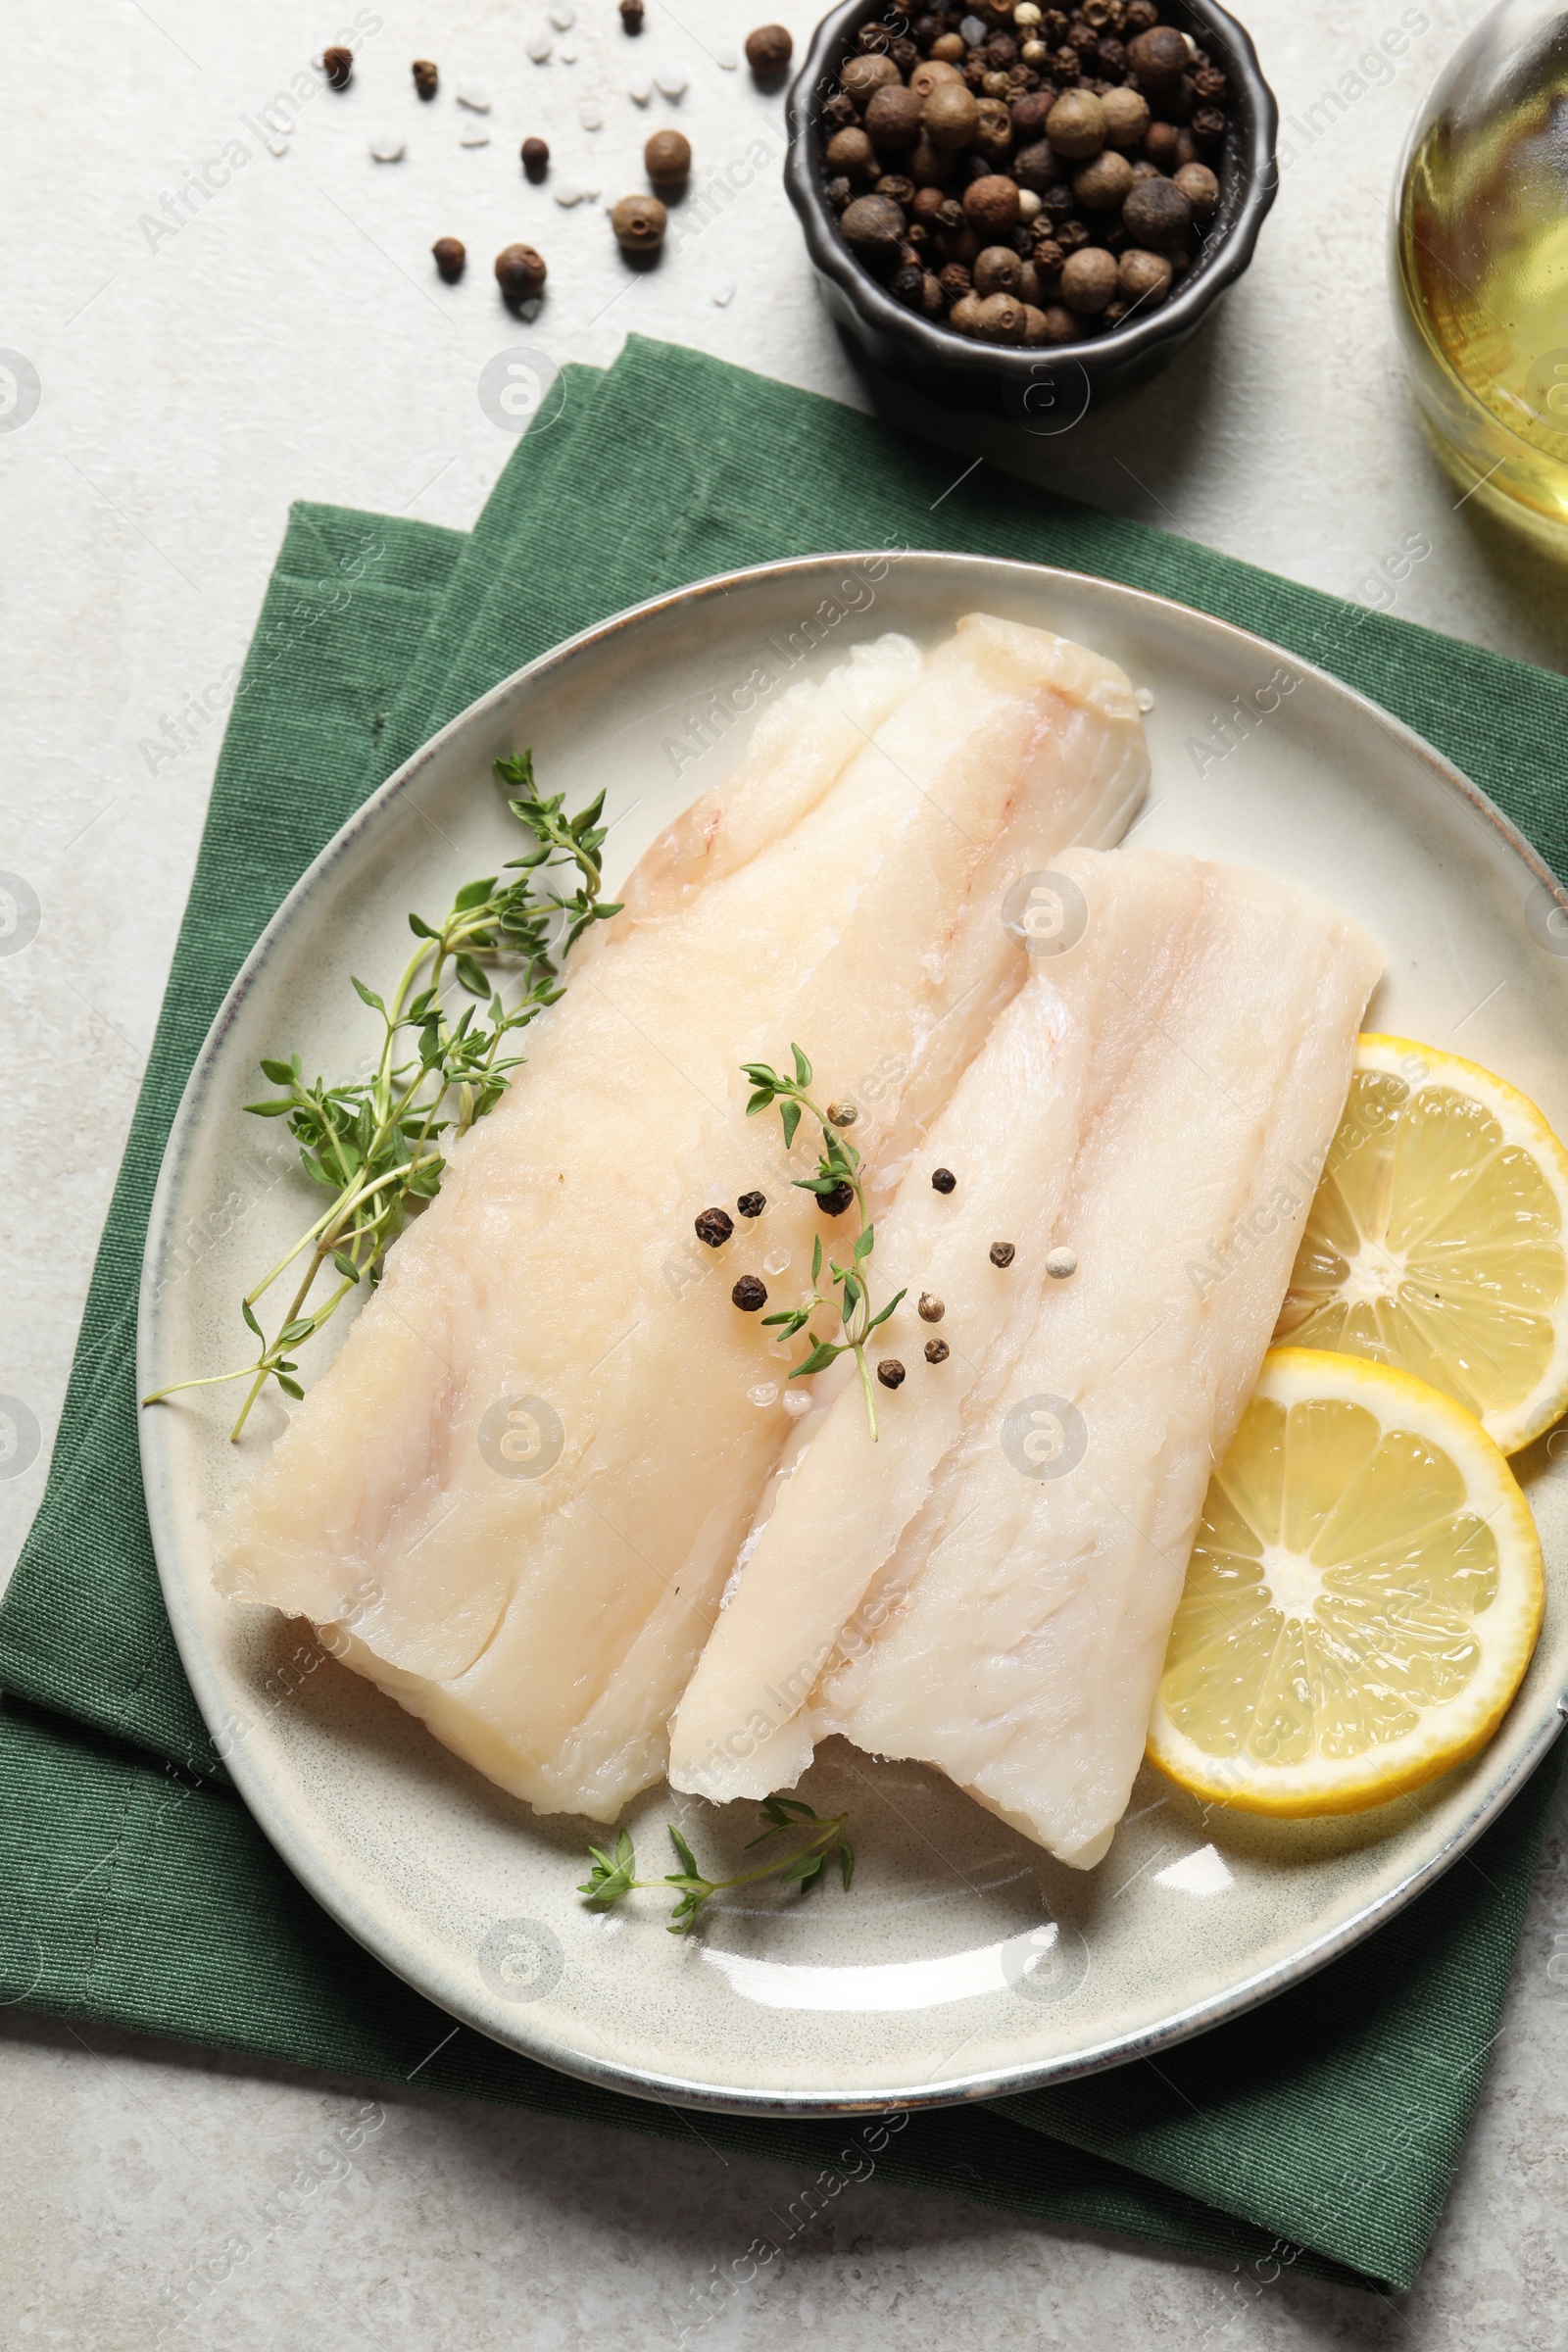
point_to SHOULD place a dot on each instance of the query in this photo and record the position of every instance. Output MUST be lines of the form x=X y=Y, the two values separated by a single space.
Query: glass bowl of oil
x=1481 y=266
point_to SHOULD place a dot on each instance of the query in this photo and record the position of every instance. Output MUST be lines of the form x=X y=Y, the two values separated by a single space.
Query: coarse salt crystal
x=474 y=95
x=639 y=89
x=473 y=138
x=562 y=15
x=670 y=81
x=539 y=45
x=727 y=58
x=724 y=293
x=591 y=117
x=386 y=147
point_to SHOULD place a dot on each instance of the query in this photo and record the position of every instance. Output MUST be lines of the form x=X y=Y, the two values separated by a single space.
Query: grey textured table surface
x=206 y=357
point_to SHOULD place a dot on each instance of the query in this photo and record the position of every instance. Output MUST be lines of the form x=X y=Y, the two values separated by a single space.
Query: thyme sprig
x=615 y=1874
x=378 y=1144
x=838 y=1168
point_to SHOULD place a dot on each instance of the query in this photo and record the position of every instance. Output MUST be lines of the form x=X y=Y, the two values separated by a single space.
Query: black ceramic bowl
x=1044 y=389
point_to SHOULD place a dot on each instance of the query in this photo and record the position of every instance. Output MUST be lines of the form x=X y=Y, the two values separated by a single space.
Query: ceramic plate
x=965 y=1963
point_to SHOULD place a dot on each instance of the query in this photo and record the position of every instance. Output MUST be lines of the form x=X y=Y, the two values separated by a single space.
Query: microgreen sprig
x=838 y=1169
x=806 y=1863
x=375 y=1143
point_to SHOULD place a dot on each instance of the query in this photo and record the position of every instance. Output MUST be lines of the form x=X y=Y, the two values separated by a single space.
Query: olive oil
x=1480 y=261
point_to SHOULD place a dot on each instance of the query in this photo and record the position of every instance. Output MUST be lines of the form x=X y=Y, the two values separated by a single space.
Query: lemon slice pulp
x=1361 y=1602
x=1436 y=1241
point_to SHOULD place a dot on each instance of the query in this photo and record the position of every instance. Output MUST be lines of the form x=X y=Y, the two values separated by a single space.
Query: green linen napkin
x=1320 y=2132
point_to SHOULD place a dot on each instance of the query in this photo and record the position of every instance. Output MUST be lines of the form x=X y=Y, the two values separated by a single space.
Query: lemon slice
x=1361 y=1602
x=1435 y=1242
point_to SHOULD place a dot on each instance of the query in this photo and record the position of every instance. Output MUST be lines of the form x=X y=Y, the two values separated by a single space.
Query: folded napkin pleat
x=1319 y=2133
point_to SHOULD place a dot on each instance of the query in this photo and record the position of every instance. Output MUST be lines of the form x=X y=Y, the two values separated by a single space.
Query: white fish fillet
x=1159 y=1100
x=841 y=889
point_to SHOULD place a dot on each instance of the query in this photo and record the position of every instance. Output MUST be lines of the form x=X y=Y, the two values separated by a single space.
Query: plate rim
x=306 y=1860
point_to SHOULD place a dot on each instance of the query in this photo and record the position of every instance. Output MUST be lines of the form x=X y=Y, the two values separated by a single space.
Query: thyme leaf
x=378 y=1144
x=838 y=1173
x=811 y=1842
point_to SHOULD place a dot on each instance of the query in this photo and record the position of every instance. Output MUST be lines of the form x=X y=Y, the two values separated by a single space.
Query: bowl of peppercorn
x=1024 y=208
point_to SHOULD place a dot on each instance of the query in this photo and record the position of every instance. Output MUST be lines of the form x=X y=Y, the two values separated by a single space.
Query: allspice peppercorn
x=1088 y=280
x=1126 y=114
x=426 y=77
x=639 y=223
x=1158 y=57
x=750 y=1294
x=998 y=271
x=991 y=205
x=864 y=75
x=1001 y=320
x=1037 y=167
x=338 y=66
x=451 y=257
x=1076 y=124
x=929 y=72
x=873 y=229
x=893 y=118
x=668 y=159
x=631 y=15
x=1156 y=213
x=768 y=51
x=950 y=116
x=535 y=158
x=851 y=154
x=1105 y=182
x=964 y=317
x=520 y=273
x=1201 y=188
x=1143 y=277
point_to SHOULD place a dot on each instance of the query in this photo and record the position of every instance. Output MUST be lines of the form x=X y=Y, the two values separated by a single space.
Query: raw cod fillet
x=843 y=888
x=969 y=1591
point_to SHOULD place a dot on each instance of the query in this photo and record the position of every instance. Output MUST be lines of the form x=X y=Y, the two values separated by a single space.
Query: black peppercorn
x=749 y=1295
x=535 y=158
x=631 y=15
x=838 y=193
x=427 y=80
x=943 y=1180
x=752 y=1204
x=338 y=66
x=835 y=1203
x=715 y=1228
x=907 y=285
x=936 y=1351
x=838 y=112
x=451 y=257
x=889 y=1372
x=1002 y=1253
